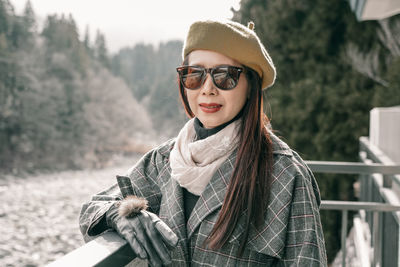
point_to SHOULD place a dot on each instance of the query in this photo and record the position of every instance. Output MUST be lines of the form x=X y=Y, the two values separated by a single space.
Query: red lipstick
x=210 y=107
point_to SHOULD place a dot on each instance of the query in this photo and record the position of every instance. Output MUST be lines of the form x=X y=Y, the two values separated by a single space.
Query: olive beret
x=234 y=40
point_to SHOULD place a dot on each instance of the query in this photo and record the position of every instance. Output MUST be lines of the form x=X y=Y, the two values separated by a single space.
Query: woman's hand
x=149 y=237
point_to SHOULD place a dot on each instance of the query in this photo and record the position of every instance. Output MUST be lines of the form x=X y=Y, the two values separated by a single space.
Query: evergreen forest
x=66 y=102
x=331 y=71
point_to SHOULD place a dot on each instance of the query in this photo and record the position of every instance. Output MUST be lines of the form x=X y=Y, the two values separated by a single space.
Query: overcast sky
x=126 y=22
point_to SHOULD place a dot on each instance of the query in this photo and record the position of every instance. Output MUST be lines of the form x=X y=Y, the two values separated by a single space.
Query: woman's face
x=213 y=106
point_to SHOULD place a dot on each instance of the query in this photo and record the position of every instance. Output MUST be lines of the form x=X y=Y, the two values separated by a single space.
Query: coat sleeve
x=143 y=177
x=305 y=245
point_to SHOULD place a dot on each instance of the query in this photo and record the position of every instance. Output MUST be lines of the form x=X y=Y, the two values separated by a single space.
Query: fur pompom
x=131 y=206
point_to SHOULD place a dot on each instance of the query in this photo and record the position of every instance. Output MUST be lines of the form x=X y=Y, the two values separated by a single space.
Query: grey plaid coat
x=290 y=236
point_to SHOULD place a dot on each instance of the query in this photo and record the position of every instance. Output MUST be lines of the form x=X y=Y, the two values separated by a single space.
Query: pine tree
x=100 y=49
x=86 y=40
x=3 y=18
x=3 y=28
x=29 y=18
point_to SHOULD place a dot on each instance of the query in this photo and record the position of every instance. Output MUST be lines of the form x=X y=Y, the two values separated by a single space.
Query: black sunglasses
x=223 y=77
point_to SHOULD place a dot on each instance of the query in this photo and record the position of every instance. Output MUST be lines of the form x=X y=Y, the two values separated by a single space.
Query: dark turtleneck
x=190 y=199
x=202 y=133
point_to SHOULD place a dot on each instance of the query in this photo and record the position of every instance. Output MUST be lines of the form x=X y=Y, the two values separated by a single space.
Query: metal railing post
x=387 y=181
x=344 y=235
x=376 y=239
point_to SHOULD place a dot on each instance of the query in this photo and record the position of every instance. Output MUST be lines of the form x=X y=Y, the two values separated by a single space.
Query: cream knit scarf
x=193 y=163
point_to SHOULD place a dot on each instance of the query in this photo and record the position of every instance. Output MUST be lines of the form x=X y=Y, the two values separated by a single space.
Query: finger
x=153 y=257
x=155 y=238
x=127 y=232
x=144 y=240
x=170 y=238
x=137 y=248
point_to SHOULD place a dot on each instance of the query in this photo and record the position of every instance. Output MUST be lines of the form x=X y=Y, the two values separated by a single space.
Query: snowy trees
x=58 y=103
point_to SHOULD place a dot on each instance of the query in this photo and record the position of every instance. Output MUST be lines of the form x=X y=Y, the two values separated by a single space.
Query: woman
x=226 y=191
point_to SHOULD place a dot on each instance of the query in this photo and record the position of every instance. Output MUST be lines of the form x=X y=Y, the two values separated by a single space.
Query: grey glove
x=148 y=236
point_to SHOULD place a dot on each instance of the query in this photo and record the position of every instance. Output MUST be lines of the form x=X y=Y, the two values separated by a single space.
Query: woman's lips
x=210 y=107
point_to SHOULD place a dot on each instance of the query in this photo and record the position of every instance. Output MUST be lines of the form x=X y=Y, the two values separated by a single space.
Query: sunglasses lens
x=226 y=78
x=191 y=78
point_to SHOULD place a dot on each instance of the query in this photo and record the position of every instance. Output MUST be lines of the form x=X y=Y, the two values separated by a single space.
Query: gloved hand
x=148 y=236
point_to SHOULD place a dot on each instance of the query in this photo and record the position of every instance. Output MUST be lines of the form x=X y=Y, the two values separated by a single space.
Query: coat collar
x=278 y=146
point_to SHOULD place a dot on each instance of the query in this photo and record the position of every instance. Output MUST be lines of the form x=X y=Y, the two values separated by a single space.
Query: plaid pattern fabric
x=290 y=236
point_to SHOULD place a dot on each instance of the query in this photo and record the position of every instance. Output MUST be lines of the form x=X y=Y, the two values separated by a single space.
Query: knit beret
x=233 y=40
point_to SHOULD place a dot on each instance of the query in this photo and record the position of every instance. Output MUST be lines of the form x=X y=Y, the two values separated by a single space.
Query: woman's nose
x=208 y=86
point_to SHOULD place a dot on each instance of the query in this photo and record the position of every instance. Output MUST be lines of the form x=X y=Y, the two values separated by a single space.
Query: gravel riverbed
x=39 y=214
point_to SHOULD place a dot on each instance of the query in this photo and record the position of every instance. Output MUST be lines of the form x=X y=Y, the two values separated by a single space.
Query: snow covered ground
x=39 y=214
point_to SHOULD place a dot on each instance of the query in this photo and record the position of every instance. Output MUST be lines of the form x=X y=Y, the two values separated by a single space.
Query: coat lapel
x=172 y=209
x=213 y=195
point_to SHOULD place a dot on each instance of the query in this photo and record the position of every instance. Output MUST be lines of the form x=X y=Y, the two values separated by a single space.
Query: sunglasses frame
x=204 y=75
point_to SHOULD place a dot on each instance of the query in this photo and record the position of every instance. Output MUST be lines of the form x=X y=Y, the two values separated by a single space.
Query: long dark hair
x=248 y=190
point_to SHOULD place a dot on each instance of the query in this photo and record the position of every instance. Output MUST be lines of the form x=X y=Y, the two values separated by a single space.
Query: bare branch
x=365 y=63
x=389 y=34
